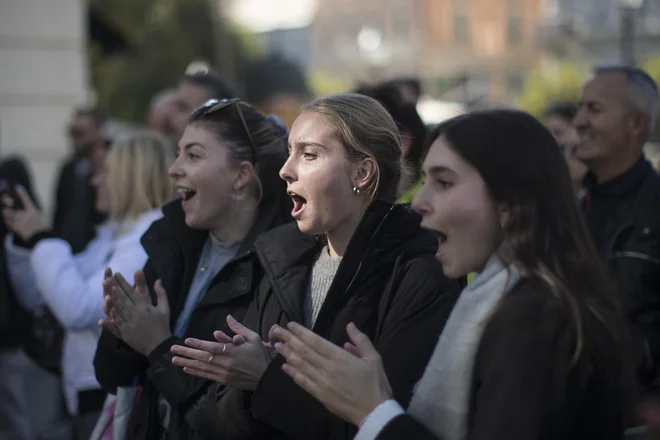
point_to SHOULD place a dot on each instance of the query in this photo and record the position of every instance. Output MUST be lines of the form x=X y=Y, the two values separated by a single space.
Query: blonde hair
x=366 y=130
x=138 y=179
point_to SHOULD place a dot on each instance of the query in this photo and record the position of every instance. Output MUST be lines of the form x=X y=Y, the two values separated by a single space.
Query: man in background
x=159 y=113
x=615 y=118
x=76 y=217
x=194 y=90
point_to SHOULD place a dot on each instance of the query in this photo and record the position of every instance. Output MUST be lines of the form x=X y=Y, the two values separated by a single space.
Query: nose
x=420 y=203
x=176 y=170
x=287 y=172
x=580 y=119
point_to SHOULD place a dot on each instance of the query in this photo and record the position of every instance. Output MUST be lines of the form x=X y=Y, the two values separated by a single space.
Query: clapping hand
x=349 y=381
x=132 y=316
x=237 y=362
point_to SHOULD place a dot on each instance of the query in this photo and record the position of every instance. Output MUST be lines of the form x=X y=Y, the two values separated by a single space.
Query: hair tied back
x=279 y=124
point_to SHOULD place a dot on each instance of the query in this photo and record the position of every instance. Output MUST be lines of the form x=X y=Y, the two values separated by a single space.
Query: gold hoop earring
x=356 y=190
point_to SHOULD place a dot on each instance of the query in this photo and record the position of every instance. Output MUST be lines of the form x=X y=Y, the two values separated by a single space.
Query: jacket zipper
x=627 y=254
x=638 y=255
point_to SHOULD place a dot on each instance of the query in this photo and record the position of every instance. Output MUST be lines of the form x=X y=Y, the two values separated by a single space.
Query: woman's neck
x=339 y=238
x=236 y=225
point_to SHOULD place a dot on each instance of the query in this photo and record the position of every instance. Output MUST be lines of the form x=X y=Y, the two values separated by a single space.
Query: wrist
x=362 y=413
x=154 y=344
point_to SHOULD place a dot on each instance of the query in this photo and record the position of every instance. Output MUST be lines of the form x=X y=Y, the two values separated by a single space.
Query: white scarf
x=442 y=396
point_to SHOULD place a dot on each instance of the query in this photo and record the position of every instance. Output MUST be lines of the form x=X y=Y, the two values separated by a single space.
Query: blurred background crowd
x=123 y=56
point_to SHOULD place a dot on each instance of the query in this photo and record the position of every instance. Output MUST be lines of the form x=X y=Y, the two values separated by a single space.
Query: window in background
x=462 y=31
x=515 y=22
x=402 y=26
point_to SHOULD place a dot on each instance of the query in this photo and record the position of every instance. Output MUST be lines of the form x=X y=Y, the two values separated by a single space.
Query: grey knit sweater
x=323 y=273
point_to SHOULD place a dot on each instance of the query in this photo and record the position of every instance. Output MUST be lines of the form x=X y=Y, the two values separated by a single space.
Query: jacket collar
x=172 y=229
x=385 y=232
x=625 y=183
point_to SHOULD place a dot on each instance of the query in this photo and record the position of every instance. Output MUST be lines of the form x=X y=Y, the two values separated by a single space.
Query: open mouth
x=299 y=204
x=186 y=193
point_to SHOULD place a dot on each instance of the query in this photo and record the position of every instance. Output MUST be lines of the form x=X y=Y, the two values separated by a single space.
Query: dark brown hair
x=545 y=234
x=270 y=153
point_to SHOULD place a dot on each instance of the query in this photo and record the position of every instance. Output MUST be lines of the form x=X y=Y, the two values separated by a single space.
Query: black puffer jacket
x=389 y=284
x=174 y=250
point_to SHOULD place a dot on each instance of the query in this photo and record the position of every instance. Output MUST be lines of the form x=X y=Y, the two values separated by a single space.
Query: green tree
x=543 y=87
x=164 y=37
x=652 y=66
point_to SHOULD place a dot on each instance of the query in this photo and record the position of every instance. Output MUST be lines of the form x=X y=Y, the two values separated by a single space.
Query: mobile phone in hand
x=7 y=189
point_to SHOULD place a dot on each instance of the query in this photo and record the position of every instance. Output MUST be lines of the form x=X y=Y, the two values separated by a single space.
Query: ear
x=245 y=174
x=504 y=214
x=639 y=123
x=363 y=173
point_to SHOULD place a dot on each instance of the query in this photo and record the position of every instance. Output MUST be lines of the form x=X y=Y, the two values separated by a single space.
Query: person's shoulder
x=530 y=305
x=424 y=274
x=282 y=234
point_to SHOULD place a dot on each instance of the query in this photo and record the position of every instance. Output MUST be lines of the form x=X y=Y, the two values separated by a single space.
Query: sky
x=265 y=15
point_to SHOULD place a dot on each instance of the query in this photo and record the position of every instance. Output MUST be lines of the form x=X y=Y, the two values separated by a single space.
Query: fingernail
x=231 y=317
x=278 y=346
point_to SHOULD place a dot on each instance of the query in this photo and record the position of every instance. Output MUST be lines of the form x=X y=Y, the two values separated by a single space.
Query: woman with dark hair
x=558 y=118
x=535 y=346
x=200 y=266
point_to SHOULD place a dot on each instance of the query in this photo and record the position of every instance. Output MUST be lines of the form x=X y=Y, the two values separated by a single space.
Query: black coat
x=14 y=319
x=174 y=250
x=630 y=246
x=74 y=220
x=521 y=386
x=388 y=283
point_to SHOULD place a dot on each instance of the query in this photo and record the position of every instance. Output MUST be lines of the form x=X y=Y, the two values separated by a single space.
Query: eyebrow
x=309 y=144
x=437 y=170
x=193 y=144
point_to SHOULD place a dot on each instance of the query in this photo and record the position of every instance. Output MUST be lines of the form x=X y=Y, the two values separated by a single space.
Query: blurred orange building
x=473 y=51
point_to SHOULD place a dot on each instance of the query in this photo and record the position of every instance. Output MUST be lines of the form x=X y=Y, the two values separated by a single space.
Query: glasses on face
x=216 y=105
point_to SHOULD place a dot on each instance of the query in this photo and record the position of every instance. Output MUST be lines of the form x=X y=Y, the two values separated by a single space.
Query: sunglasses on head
x=216 y=105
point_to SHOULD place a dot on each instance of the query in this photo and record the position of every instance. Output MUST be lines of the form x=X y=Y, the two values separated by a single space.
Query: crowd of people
x=361 y=275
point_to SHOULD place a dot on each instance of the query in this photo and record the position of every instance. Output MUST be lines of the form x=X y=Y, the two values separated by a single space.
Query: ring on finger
x=224 y=347
x=211 y=359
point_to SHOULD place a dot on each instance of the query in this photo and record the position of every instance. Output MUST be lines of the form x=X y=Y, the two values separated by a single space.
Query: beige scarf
x=442 y=396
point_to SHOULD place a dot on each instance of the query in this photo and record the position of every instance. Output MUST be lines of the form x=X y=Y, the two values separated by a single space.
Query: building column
x=43 y=76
